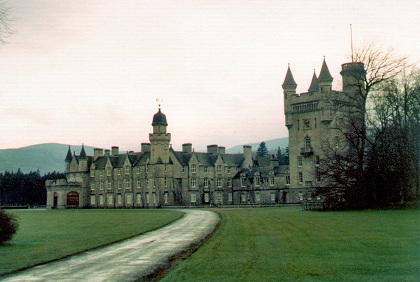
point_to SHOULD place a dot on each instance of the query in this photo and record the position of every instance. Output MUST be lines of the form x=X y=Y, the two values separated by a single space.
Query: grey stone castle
x=159 y=176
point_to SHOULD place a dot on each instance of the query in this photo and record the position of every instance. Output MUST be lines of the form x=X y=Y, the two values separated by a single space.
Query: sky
x=89 y=72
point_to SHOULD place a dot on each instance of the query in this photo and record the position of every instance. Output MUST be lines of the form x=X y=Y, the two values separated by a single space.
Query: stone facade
x=159 y=176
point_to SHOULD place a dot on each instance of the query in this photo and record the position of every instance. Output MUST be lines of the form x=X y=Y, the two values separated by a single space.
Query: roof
x=325 y=75
x=314 y=84
x=69 y=155
x=82 y=153
x=159 y=119
x=289 y=81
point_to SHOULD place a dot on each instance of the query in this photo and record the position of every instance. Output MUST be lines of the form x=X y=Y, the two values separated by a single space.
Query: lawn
x=288 y=244
x=46 y=235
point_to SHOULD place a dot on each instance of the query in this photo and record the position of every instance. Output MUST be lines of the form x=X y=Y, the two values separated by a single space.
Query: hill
x=272 y=146
x=43 y=157
x=50 y=157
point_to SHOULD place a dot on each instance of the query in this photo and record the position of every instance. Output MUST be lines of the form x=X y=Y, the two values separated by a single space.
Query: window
x=287 y=179
x=193 y=168
x=298 y=124
x=300 y=177
x=92 y=186
x=127 y=170
x=154 y=198
x=101 y=186
x=138 y=170
x=154 y=183
x=92 y=173
x=110 y=199
x=219 y=197
x=109 y=185
x=206 y=182
x=193 y=198
x=193 y=182
x=243 y=198
x=271 y=180
x=206 y=197
x=219 y=182
x=243 y=181
x=183 y=169
x=230 y=197
x=92 y=200
x=228 y=170
x=318 y=176
x=147 y=169
x=257 y=197
x=147 y=183
x=101 y=173
x=119 y=171
x=308 y=184
x=166 y=168
x=138 y=183
x=166 y=198
x=219 y=169
x=127 y=184
x=300 y=161
x=147 y=198
x=128 y=199
x=229 y=182
x=108 y=171
x=273 y=197
x=257 y=180
x=138 y=199
x=336 y=141
x=119 y=185
x=166 y=182
x=206 y=169
x=119 y=199
x=307 y=123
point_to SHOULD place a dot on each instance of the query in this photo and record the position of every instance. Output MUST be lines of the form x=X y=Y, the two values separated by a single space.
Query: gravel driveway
x=129 y=260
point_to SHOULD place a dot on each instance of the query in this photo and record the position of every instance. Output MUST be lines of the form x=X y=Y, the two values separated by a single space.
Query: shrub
x=8 y=226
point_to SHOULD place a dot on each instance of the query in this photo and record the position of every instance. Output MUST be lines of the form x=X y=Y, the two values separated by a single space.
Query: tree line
x=25 y=189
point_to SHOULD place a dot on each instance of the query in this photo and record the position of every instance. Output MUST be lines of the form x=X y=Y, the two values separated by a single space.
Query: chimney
x=212 y=149
x=222 y=150
x=97 y=152
x=187 y=148
x=145 y=147
x=274 y=161
x=248 y=162
x=107 y=152
x=114 y=150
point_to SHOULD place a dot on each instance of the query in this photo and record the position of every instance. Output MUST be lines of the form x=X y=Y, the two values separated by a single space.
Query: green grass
x=48 y=235
x=287 y=244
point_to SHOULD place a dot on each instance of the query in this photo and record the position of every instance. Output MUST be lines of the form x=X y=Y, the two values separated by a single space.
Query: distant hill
x=44 y=157
x=272 y=146
x=50 y=157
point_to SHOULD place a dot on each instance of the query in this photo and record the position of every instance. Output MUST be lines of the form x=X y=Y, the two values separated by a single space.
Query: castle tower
x=353 y=78
x=289 y=89
x=159 y=139
x=68 y=159
x=83 y=159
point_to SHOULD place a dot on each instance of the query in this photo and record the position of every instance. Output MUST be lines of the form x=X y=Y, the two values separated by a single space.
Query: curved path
x=131 y=259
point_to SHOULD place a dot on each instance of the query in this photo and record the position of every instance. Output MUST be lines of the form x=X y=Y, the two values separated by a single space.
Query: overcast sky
x=89 y=72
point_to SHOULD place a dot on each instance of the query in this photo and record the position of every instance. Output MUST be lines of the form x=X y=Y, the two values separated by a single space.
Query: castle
x=159 y=176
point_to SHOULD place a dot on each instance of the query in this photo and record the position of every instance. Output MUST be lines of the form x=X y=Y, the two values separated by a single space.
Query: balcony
x=306 y=151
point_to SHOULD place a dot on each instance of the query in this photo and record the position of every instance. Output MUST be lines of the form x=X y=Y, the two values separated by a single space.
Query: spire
x=69 y=156
x=314 y=84
x=325 y=75
x=289 y=81
x=82 y=152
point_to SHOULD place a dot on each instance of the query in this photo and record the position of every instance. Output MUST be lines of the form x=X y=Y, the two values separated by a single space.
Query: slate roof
x=159 y=119
x=325 y=74
x=289 y=80
x=314 y=84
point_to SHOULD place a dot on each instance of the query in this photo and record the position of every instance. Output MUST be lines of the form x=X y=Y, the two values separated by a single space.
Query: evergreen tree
x=262 y=150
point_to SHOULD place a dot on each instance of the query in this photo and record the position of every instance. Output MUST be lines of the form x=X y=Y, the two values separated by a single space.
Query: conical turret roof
x=325 y=75
x=314 y=84
x=289 y=81
x=83 y=153
x=69 y=156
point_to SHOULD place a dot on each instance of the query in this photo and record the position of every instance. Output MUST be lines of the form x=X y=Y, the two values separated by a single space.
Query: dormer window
x=127 y=170
x=219 y=169
x=108 y=171
x=193 y=168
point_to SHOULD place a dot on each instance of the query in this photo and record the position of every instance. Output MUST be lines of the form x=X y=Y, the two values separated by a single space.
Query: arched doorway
x=73 y=199
x=55 y=200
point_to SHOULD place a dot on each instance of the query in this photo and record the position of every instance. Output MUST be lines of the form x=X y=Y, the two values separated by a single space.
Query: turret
x=83 y=159
x=68 y=159
x=353 y=77
x=159 y=139
x=314 y=87
x=325 y=79
x=289 y=90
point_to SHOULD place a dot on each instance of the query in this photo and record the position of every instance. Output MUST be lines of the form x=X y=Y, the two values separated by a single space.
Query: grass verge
x=46 y=235
x=287 y=244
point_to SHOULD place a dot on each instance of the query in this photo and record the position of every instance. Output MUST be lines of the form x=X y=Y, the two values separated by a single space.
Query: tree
x=8 y=226
x=4 y=22
x=346 y=158
x=262 y=150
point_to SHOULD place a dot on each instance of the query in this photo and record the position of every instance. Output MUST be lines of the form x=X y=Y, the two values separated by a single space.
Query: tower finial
x=159 y=101
x=351 y=42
